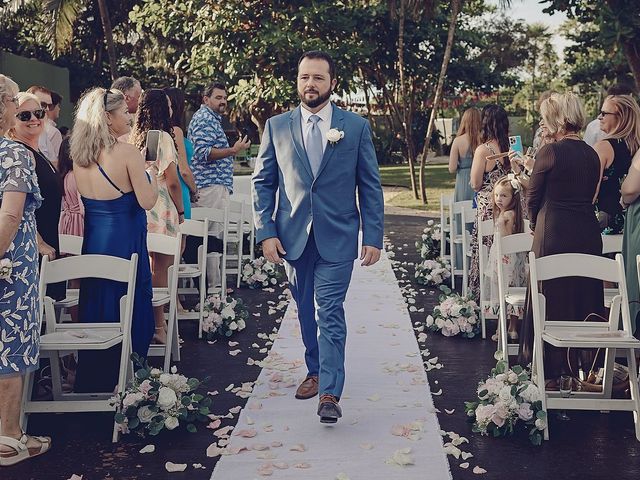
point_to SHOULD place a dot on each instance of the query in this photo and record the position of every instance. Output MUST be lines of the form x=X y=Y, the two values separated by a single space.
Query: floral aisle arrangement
x=155 y=400
x=433 y=272
x=223 y=317
x=455 y=315
x=429 y=244
x=507 y=398
x=260 y=272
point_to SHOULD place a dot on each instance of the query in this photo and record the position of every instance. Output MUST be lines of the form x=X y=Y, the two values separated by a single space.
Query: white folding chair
x=220 y=217
x=455 y=238
x=248 y=225
x=467 y=215
x=167 y=245
x=69 y=245
x=509 y=295
x=200 y=229
x=236 y=220
x=60 y=337
x=485 y=228
x=445 y=225
x=573 y=333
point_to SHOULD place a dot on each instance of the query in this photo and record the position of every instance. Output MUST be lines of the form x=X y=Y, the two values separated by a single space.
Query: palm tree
x=64 y=14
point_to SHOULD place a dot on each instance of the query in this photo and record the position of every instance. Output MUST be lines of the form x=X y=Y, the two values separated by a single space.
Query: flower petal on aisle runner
x=384 y=368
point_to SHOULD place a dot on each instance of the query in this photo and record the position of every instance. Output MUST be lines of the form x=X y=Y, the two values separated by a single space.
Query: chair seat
x=516 y=296
x=160 y=297
x=188 y=270
x=74 y=339
x=592 y=337
x=71 y=300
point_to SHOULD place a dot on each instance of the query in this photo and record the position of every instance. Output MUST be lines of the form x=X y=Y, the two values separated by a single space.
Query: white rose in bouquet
x=155 y=372
x=530 y=394
x=166 y=398
x=540 y=424
x=274 y=281
x=505 y=394
x=171 y=423
x=233 y=326
x=132 y=399
x=145 y=414
x=228 y=312
x=524 y=412
x=430 y=222
x=241 y=325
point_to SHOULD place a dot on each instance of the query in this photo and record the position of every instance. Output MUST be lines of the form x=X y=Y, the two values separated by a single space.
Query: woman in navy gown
x=116 y=191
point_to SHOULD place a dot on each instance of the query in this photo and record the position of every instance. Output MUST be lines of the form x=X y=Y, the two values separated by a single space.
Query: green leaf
x=191 y=428
x=119 y=417
x=133 y=423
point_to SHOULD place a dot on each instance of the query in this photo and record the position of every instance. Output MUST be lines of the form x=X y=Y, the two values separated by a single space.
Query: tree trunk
x=632 y=52
x=406 y=113
x=108 y=36
x=456 y=6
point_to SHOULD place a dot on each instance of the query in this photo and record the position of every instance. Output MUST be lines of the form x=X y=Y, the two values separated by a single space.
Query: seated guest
x=560 y=199
x=154 y=113
x=20 y=333
x=27 y=131
x=620 y=121
x=115 y=190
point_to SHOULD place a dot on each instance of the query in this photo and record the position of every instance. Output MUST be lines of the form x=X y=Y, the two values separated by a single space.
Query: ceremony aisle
x=389 y=429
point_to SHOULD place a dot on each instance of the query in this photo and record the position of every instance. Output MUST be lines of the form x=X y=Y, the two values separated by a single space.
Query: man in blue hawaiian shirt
x=212 y=162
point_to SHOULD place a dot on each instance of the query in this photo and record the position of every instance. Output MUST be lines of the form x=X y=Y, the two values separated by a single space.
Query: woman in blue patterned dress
x=19 y=305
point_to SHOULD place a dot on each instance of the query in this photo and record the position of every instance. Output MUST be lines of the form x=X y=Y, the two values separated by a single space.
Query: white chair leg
x=633 y=388
x=538 y=368
x=502 y=332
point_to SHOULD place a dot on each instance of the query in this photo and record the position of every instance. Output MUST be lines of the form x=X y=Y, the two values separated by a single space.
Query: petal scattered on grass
x=148 y=449
x=464 y=465
x=175 y=467
x=479 y=470
x=298 y=448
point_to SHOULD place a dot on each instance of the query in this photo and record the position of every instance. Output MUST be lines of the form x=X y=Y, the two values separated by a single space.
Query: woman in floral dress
x=484 y=175
x=19 y=305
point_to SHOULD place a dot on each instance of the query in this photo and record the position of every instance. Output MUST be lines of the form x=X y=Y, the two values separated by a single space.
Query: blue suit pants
x=319 y=289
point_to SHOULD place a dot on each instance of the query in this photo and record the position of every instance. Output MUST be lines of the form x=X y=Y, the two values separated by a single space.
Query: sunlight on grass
x=438 y=181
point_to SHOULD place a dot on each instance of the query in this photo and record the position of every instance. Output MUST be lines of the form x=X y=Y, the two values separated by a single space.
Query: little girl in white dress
x=508 y=220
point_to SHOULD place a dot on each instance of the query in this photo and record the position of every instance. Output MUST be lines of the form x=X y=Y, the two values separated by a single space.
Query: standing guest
x=72 y=216
x=27 y=131
x=560 y=198
x=53 y=114
x=185 y=149
x=20 y=331
x=620 y=121
x=315 y=227
x=212 y=163
x=592 y=132
x=131 y=89
x=460 y=160
x=51 y=137
x=486 y=169
x=115 y=190
x=154 y=113
x=630 y=245
x=538 y=139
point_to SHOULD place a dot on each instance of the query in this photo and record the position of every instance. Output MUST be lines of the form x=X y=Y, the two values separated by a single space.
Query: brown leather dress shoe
x=308 y=388
x=328 y=409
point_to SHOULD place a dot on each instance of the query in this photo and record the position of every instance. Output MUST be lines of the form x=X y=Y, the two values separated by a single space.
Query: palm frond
x=63 y=16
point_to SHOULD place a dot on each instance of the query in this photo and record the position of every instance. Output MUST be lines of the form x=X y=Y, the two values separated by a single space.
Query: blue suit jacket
x=349 y=168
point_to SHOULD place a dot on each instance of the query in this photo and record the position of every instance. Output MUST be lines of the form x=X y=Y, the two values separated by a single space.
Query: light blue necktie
x=314 y=144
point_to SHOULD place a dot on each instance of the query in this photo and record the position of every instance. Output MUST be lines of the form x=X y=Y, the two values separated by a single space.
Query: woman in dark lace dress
x=620 y=120
x=560 y=199
x=484 y=174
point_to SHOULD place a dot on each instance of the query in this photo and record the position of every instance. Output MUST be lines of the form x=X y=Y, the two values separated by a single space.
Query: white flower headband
x=515 y=183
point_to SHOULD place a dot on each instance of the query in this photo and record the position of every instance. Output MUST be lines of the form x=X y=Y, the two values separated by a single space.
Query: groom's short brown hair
x=320 y=55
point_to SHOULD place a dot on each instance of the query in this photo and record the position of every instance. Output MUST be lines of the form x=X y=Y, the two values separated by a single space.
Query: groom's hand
x=369 y=255
x=272 y=249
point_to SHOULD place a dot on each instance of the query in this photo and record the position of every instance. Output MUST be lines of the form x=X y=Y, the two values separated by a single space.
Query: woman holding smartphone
x=154 y=113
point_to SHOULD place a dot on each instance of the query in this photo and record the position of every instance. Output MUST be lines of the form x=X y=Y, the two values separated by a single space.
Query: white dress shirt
x=593 y=134
x=50 y=140
x=324 y=123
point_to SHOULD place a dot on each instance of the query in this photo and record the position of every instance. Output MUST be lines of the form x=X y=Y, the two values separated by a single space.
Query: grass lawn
x=438 y=181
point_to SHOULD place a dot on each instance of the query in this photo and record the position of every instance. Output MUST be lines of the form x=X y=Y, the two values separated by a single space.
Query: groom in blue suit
x=318 y=160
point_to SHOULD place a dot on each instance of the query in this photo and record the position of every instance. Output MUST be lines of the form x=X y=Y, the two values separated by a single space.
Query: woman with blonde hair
x=560 y=201
x=116 y=191
x=620 y=121
x=461 y=156
x=20 y=327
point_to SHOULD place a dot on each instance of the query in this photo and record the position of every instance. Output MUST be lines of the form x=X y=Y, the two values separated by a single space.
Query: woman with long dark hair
x=154 y=113
x=184 y=147
x=487 y=168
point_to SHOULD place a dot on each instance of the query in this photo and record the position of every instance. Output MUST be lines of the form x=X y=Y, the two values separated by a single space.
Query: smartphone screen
x=153 y=144
x=515 y=143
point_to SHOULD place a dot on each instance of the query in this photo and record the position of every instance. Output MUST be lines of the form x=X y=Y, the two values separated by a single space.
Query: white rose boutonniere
x=6 y=267
x=334 y=136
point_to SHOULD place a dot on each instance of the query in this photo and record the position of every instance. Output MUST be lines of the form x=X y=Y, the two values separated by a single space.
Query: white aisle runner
x=386 y=402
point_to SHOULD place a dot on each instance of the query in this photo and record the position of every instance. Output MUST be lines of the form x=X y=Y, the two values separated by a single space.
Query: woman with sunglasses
x=27 y=131
x=19 y=199
x=620 y=121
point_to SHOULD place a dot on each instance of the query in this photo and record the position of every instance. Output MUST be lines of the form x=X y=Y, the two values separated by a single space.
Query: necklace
x=575 y=136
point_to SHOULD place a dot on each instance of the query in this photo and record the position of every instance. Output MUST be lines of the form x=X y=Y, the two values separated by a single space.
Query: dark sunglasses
x=47 y=106
x=26 y=115
x=604 y=114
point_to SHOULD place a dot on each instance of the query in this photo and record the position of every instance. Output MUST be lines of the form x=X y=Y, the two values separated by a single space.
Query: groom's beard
x=319 y=100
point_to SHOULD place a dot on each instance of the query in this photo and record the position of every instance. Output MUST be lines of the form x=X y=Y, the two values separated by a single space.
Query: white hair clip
x=515 y=183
